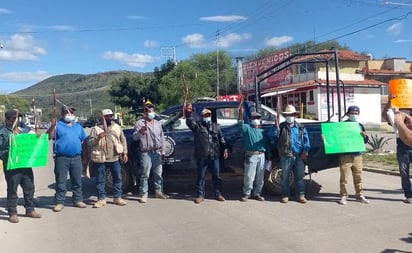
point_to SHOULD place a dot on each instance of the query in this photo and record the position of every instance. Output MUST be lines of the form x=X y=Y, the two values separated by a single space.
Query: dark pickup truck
x=179 y=156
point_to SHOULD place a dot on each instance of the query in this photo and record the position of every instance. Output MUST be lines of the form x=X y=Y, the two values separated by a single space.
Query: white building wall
x=367 y=98
x=369 y=101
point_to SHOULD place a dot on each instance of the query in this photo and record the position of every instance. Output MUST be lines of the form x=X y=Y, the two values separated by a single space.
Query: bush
x=377 y=142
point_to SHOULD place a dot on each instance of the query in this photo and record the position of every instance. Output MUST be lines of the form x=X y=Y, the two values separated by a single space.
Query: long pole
x=217 y=64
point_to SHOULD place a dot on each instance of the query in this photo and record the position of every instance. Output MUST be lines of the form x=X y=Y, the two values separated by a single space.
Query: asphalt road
x=179 y=225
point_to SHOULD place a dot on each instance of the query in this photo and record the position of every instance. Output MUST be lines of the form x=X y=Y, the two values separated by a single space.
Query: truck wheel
x=273 y=179
x=127 y=179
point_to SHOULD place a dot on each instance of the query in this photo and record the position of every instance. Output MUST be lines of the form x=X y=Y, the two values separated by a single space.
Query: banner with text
x=27 y=151
x=401 y=89
x=342 y=137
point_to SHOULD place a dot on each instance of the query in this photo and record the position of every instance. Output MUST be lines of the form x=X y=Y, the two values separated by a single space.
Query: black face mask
x=108 y=121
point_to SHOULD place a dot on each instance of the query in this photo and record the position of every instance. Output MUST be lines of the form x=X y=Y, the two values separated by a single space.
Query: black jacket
x=209 y=140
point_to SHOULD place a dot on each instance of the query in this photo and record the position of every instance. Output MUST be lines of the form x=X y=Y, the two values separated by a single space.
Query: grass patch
x=381 y=161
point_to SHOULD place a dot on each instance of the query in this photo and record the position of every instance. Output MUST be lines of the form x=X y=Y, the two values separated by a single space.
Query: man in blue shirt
x=293 y=148
x=68 y=137
x=256 y=144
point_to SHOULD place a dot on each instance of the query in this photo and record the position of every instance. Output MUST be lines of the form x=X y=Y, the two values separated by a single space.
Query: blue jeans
x=24 y=178
x=150 y=162
x=64 y=165
x=101 y=178
x=295 y=164
x=253 y=174
x=202 y=166
x=404 y=157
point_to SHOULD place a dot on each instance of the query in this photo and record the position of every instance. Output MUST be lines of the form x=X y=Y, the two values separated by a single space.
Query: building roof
x=343 y=55
x=310 y=84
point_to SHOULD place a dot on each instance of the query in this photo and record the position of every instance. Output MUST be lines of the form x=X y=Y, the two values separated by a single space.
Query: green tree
x=129 y=92
x=14 y=102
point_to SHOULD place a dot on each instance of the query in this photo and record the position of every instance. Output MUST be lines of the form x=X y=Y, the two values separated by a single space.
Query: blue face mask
x=290 y=119
x=151 y=115
x=207 y=119
x=255 y=122
x=353 y=117
x=69 y=118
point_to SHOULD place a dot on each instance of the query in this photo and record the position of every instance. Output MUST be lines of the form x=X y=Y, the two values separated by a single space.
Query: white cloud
x=133 y=60
x=197 y=40
x=232 y=38
x=5 y=11
x=395 y=29
x=278 y=41
x=194 y=40
x=402 y=41
x=231 y=18
x=150 y=43
x=21 y=48
x=133 y=17
x=36 y=76
x=62 y=28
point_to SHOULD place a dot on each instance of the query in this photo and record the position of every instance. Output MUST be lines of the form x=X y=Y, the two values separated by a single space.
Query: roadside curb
x=385 y=172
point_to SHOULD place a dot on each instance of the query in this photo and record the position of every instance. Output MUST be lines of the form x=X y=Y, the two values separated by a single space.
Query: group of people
x=108 y=149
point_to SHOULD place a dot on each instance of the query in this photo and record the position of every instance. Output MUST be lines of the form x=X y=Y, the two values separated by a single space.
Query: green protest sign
x=28 y=150
x=342 y=137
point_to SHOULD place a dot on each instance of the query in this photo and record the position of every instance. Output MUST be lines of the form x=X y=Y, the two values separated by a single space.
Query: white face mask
x=69 y=118
x=207 y=119
x=290 y=119
x=151 y=115
x=255 y=122
x=353 y=117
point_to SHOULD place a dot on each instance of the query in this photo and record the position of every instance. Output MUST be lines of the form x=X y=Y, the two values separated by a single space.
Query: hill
x=86 y=93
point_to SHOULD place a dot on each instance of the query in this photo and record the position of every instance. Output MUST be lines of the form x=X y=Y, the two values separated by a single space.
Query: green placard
x=27 y=151
x=342 y=137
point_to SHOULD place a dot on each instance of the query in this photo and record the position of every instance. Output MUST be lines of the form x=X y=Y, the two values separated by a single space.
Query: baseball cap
x=107 y=112
x=205 y=111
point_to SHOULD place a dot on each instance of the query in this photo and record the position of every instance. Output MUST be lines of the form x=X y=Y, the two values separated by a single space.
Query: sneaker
x=143 y=199
x=258 y=198
x=301 y=199
x=199 y=200
x=343 y=200
x=119 y=201
x=408 y=200
x=80 y=204
x=58 y=208
x=99 y=203
x=220 y=198
x=161 y=195
x=244 y=198
x=362 y=199
x=13 y=218
x=284 y=200
x=33 y=214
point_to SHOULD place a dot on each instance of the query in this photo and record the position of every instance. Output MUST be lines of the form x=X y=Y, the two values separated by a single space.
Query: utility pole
x=217 y=64
x=169 y=53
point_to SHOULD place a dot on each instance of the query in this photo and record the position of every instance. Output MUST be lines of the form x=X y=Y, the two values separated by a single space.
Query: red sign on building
x=251 y=68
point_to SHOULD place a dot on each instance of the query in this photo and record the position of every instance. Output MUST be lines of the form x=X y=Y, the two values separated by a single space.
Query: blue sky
x=44 y=38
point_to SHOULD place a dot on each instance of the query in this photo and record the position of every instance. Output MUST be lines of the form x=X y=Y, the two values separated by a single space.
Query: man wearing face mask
x=209 y=141
x=68 y=137
x=352 y=162
x=256 y=144
x=293 y=147
x=148 y=131
x=108 y=145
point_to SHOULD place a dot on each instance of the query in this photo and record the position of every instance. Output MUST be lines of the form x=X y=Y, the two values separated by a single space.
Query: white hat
x=290 y=109
x=107 y=112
